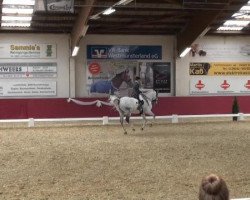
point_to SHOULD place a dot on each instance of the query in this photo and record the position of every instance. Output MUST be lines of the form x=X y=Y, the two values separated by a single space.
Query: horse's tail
x=118 y=106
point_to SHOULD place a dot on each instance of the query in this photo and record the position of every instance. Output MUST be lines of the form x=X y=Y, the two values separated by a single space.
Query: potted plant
x=235 y=108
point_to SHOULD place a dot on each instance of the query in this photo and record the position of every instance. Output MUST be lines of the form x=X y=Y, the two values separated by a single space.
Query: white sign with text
x=28 y=70
x=27 y=50
x=219 y=85
x=24 y=89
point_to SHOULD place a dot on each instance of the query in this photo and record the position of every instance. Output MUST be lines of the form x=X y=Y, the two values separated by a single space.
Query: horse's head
x=125 y=76
x=155 y=98
x=152 y=95
x=120 y=78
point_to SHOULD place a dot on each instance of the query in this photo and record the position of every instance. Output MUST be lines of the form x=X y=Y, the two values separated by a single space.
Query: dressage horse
x=110 y=86
x=129 y=105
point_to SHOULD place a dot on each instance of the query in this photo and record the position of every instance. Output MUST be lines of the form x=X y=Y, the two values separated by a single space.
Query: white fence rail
x=106 y=120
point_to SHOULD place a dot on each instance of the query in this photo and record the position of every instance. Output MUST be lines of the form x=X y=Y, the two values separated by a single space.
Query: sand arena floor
x=80 y=162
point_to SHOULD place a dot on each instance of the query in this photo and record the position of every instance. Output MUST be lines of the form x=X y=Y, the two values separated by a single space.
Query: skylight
x=240 y=20
x=228 y=28
x=236 y=23
x=19 y=2
x=17 y=13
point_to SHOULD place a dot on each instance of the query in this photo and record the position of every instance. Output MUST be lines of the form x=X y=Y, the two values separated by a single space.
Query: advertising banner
x=111 y=76
x=128 y=52
x=28 y=70
x=220 y=68
x=27 y=89
x=156 y=75
x=15 y=50
x=207 y=85
x=104 y=77
x=60 y=5
x=212 y=51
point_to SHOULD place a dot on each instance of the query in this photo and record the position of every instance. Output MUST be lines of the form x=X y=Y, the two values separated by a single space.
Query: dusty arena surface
x=84 y=162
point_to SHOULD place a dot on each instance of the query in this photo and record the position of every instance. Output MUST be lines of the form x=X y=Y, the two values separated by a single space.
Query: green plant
x=235 y=108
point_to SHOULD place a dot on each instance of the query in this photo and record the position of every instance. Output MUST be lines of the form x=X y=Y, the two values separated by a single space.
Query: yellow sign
x=220 y=69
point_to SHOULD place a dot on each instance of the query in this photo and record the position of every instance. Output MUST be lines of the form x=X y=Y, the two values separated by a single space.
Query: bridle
x=155 y=101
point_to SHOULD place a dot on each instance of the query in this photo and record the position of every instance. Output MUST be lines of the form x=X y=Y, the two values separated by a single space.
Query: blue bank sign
x=130 y=52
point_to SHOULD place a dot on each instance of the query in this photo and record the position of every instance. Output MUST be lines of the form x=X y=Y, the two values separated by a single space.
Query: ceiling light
x=124 y=2
x=17 y=11
x=239 y=15
x=245 y=8
x=14 y=24
x=108 y=11
x=185 y=52
x=75 y=51
x=230 y=28
x=19 y=2
x=236 y=23
x=15 y=18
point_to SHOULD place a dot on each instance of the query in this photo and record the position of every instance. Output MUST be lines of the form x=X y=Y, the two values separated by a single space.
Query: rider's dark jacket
x=136 y=89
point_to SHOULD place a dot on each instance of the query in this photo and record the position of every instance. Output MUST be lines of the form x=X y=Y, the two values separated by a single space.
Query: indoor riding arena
x=124 y=99
x=85 y=161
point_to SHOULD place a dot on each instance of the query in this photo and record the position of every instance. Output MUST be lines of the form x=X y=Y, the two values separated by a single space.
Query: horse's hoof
x=133 y=129
x=142 y=129
x=125 y=133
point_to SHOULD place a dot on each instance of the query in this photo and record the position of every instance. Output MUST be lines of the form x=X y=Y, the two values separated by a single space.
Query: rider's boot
x=140 y=106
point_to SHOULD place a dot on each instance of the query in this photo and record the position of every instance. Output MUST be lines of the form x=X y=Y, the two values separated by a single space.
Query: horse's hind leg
x=128 y=121
x=121 y=121
x=144 y=121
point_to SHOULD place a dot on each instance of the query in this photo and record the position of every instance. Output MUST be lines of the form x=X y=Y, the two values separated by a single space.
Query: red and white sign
x=219 y=85
x=94 y=68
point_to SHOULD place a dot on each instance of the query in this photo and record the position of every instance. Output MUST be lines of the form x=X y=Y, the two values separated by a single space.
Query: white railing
x=106 y=120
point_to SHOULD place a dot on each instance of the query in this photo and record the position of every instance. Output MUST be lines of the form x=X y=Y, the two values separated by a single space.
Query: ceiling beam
x=80 y=26
x=194 y=28
x=201 y=21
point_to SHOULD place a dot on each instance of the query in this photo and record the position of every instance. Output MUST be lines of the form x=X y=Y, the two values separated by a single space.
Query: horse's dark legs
x=127 y=119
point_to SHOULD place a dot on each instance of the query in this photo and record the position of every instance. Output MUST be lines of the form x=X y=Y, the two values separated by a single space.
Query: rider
x=136 y=93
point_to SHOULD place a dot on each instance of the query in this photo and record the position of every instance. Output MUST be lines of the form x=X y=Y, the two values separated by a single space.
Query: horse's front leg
x=151 y=114
x=121 y=121
x=144 y=121
x=128 y=121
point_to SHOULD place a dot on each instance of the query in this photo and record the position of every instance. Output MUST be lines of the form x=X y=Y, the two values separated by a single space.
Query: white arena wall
x=216 y=42
x=71 y=78
x=71 y=72
x=62 y=58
